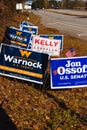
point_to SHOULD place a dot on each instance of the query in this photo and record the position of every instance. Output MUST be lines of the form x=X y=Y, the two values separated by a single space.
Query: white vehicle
x=27 y=7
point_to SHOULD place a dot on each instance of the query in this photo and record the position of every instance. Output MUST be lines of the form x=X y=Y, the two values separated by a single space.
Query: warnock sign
x=17 y=37
x=45 y=45
x=68 y=72
x=22 y=64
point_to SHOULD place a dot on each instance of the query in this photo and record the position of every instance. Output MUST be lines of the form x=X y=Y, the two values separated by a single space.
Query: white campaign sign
x=45 y=45
x=19 y=6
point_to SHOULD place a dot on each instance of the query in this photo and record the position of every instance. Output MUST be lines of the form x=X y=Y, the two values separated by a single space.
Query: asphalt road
x=74 y=24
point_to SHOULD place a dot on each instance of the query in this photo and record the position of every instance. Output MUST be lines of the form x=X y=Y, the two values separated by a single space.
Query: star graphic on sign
x=55 y=72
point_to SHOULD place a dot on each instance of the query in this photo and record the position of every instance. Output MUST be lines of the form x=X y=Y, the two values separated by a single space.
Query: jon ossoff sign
x=22 y=64
x=68 y=72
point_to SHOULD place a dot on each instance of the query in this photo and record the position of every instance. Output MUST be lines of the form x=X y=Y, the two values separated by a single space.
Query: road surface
x=74 y=25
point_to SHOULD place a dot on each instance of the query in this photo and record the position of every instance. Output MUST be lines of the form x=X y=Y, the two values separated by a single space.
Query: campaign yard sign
x=19 y=6
x=25 y=23
x=22 y=64
x=27 y=26
x=56 y=37
x=45 y=45
x=17 y=37
x=68 y=72
x=32 y=29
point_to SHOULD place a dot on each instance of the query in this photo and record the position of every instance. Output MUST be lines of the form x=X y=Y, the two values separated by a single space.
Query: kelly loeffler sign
x=46 y=45
x=22 y=64
x=55 y=37
x=68 y=72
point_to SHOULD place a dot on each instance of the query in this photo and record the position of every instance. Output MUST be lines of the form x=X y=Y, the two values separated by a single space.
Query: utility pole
x=22 y=6
x=62 y=4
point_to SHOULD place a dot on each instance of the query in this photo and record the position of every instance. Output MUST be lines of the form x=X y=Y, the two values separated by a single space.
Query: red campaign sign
x=45 y=45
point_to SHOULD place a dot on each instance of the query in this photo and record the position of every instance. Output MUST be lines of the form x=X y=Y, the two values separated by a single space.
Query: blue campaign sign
x=32 y=29
x=25 y=23
x=22 y=64
x=56 y=37
x=27 y=26
x=17 y=37
x=68 y=72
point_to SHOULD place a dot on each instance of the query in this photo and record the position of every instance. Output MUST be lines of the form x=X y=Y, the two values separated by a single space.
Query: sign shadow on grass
x=5 y=122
